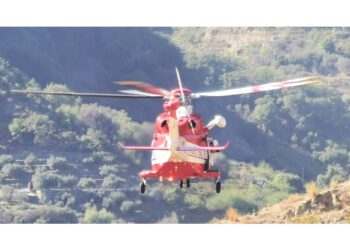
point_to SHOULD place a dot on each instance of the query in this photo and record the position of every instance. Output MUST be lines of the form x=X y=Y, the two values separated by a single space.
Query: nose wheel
x=188 y=183
x=218 y=186
x=143 y=187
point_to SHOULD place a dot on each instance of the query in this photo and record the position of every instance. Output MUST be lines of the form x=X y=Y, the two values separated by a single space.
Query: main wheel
x=188 y=183
x=142 y=187
x=181 y=183
x=218 y=187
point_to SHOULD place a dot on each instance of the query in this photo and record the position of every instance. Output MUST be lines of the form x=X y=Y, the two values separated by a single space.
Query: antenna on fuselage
x=180 y=85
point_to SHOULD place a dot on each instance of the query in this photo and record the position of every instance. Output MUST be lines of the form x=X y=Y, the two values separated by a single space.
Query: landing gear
x=218 y=186
x=188 y=183
x=181 y=183
x=142 y=187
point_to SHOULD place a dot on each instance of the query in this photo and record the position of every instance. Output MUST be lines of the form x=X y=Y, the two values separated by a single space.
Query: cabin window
x=192 y=124
x=164 y=123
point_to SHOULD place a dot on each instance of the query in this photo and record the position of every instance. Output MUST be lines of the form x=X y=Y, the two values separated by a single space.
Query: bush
x=45 y=214
x=311 y=189
x=194 y=201
x=334 y=173
x=49 y=180
x=128 y=206
x=45 y=180
x=30 y=159
x=113 y=200
x=92 y=215
x=106 y=170
x=86 y=183
x=169 y=219
x=112 y=181
x=94 y=139
x=14 y=171
x=5 y=159
x=59 y=163
x=68 y=199
x=35 y=128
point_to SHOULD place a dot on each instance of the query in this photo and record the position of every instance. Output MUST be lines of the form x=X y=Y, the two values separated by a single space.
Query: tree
x=128 y=206
x=35 y=128
x=113 y=200
x=92 y=215
x=86 y=183
x=112 y=181
x=4 y=159
x=334 y=173
x=14 y=171
x=94 y=139
x=30 y=159
x=59 y=163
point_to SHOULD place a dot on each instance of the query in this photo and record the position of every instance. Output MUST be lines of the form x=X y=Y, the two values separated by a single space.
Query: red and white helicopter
x=181 y=146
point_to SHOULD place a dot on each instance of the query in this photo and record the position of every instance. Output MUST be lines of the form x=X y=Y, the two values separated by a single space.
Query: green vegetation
x=59 y=161
x=92 y=215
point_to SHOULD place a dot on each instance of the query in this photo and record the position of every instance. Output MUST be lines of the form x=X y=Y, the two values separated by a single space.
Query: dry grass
x=308 y=219
x=311 y=189
x=232 y=214
x=294 y=198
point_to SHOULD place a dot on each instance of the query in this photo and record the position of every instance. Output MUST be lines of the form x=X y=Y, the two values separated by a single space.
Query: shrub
x=59 y=163
x=30 y=159
x=113 y=200
x=14 y=171
x=5 y=159
x=45 y=214
x=68 y=199
x=94 y=139
x=106 y=170
x=44 y=180
x=92 y=215
x=169 y=219
x=334 y=173
x=112 y=181
x=35 y=128
x=311 y=189
x=128 y=206
x=49 y=180
x=194 y=201
x=86 y=183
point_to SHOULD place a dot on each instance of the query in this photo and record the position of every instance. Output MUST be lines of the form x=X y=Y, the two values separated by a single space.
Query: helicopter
x=181 y=147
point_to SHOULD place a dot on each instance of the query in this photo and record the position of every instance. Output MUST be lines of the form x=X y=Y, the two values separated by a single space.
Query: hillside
x=59 y=157
x=330 y=206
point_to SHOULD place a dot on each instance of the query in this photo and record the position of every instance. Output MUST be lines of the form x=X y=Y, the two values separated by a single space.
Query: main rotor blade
x=259 y=88
x=145 y=87
x=180 y=84
x=85 y=94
